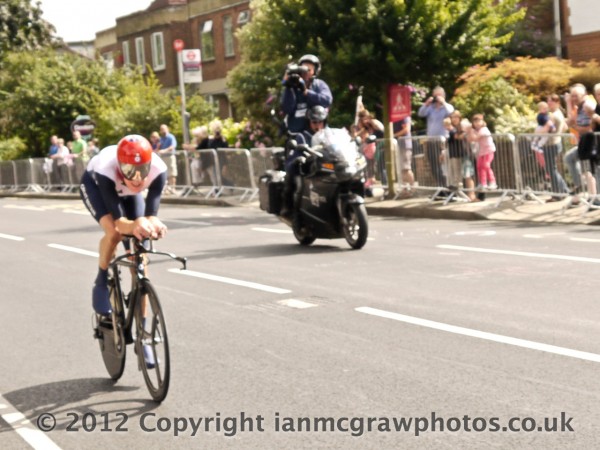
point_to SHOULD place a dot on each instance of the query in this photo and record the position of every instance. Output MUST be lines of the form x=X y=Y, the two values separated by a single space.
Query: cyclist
x=111 y=189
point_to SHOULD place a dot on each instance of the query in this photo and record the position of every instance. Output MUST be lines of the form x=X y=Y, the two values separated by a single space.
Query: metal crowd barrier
x=526 y=166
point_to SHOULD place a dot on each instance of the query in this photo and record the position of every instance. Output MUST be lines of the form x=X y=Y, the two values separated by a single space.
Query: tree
x=42 y=92
x=370 y=43
x=22 y=27
x=534 y=36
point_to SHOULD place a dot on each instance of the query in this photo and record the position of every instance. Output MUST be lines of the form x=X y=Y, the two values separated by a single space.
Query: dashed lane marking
x=272 y=230
x=11 y=237
x=525 y=254
x=481 y=334
x=73 y=250
x=233 y=281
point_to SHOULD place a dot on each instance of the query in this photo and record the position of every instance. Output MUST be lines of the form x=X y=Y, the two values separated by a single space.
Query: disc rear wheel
x=111 y=336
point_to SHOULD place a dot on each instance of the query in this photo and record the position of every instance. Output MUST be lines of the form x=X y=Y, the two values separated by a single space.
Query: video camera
x=294 y=73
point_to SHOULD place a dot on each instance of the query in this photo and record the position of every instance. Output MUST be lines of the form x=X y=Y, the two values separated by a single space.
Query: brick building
x=580 y=29
x=145 y=38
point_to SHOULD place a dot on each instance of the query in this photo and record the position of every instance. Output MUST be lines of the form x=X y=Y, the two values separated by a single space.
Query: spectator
x=481 y=135
x=155 y=141
x=579 y=122
x=167 y=151
x=199 y=136
x=554 y=148
x=369 y=126
x=79 y=149
x=460 y=165
x=217 y=141
x=435 y=110
x=543 y=128
x=53 y=154
x=402 y=134
x=92 y=148
x=64 y=160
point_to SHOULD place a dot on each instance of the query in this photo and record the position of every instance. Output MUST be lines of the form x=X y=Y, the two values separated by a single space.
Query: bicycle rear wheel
x=152 y=331
x=111 y=336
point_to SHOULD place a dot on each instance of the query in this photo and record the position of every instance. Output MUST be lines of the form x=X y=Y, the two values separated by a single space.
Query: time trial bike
x=142 y=307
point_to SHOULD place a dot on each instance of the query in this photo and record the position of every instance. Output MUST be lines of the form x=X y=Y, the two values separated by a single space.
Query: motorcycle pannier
x=270 y=193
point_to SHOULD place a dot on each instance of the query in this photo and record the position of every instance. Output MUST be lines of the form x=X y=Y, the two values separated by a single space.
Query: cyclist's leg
x=92 y=198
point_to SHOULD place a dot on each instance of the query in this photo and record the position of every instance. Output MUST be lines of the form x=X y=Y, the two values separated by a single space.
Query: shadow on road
x=66 y=399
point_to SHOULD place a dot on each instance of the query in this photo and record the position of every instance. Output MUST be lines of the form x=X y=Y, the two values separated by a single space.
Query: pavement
x=509 y=208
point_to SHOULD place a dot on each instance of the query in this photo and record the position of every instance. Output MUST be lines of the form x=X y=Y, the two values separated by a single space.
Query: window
x=228 y=35
x=158 y=51
x=109 y=61
x=126 y=57
x=243 y=18
x=207 y=41
x=139 y=53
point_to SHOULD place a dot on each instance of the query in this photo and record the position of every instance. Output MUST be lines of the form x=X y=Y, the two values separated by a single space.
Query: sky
x=79 y=20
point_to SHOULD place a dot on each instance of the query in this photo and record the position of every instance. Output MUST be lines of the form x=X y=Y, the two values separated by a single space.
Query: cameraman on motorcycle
x=303 y=90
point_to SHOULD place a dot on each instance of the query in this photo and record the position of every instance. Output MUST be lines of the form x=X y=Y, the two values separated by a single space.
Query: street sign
x=178 y=45
x=192 y=66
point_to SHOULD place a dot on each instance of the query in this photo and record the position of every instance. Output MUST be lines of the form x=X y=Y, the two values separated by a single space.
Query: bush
x=13 y=148
x=506 y=110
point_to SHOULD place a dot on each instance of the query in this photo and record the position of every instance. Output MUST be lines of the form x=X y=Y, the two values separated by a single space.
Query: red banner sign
x=399 y=100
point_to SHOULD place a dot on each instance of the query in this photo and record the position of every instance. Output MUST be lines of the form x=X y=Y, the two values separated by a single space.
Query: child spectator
x=481 y=135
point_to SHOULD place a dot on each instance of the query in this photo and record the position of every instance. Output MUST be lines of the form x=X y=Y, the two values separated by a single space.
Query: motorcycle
x=329 y=196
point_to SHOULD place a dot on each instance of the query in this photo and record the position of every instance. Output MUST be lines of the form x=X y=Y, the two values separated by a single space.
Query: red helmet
x=134 y=154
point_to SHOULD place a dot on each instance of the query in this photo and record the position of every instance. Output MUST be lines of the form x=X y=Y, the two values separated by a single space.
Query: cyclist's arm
x=154 y=192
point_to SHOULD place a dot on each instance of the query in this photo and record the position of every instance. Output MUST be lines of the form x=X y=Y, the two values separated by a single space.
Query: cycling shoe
x=148 y=356
x=100 y=300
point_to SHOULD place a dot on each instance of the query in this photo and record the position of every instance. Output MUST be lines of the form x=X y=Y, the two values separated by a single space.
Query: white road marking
x=74 y=250
x=584 y=239
x=526 y=254
x=298 y=304
x=248 y=284
x=11 y=237
x=188 y=222
x=533 y=236
x=481 y=334
x=476 y=233
x=272 y=230
x=29 y=208
x=24 y=428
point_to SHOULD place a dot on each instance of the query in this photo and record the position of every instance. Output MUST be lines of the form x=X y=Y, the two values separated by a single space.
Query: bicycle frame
x=136 y=261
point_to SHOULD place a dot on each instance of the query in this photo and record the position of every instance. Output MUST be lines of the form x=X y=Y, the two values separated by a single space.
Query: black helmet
x=317 y=114
x=313 y=60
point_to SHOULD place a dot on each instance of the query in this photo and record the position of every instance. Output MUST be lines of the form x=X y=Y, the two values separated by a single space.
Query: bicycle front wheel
x=152 y=344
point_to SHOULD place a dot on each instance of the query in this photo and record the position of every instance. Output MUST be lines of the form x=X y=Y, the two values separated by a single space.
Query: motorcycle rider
x=317 y=121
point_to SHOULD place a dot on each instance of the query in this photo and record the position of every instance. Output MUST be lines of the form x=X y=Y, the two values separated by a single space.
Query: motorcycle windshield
x=336 y=145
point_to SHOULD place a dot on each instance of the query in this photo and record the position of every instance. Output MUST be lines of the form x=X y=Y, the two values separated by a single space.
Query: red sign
x=178 y=45
x=399 y=99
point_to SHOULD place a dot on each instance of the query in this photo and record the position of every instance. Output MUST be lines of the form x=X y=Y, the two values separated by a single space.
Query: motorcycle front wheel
x=355 y=225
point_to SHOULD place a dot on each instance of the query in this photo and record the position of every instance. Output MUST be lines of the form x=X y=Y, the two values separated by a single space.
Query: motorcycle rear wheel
x=302 y=235
x=356 y=228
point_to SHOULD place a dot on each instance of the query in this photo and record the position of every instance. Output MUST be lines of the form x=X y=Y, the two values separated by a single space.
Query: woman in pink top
x=481 y=134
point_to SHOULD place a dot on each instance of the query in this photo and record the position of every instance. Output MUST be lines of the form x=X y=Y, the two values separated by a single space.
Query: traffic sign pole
x=178 y=46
